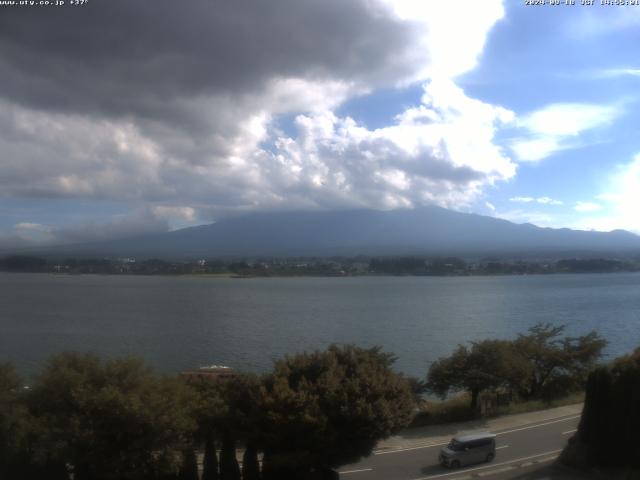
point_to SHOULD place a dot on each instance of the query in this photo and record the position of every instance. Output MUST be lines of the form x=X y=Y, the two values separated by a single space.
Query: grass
x=457 y=409
x=533 y=405
x=453 y=410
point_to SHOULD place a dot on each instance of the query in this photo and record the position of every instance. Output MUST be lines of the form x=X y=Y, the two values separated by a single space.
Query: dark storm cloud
x=172 y=106
x=123 y=57
x=137 y=223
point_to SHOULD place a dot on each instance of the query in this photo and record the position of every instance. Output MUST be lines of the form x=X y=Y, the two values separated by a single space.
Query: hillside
x=427 y=230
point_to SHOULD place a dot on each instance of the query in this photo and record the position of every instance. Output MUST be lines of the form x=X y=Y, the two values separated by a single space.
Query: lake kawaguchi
x=177 y=323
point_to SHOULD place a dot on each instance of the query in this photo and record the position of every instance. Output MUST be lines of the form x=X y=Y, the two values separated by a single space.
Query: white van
x=468 y=449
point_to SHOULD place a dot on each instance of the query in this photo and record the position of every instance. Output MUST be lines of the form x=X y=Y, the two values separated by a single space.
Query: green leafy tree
x=20 y=457
x=485 y=365
x=14 y=425
x=9 y=388
x=418 y=387
x=555 y=364
x=110 y=420
x=325 y=409
x=538 y=364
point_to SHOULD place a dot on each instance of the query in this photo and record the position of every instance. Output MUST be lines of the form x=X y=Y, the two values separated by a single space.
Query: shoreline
x=229 y=275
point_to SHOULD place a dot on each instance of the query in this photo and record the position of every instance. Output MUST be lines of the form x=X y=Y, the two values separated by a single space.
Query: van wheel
x=490 y=457
x=455 y=464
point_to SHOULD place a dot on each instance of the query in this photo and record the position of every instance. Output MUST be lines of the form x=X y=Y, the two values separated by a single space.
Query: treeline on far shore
x=337 y=266
x=86 y=418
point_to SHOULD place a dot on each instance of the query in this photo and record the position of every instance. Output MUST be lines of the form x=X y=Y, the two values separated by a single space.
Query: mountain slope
x=427 y=230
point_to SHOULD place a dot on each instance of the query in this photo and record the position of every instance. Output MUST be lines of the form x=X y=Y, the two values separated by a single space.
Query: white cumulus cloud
x=587 y=207
x=540 y=200
x=440 y=152
x=559 y=127
x=618 y=207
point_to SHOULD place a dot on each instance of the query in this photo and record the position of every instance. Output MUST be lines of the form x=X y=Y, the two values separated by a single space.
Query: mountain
x=427 y=230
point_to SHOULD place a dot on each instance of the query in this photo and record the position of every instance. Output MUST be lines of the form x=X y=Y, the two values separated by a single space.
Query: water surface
x=176 y=323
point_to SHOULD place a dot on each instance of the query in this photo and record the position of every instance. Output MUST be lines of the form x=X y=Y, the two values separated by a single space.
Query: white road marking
x=502 y=446
x=356 y=471
x=430 y=445
x=499 y=470
x=545 y=460
x=569 y=431
x=538 y=425
x=516 y=460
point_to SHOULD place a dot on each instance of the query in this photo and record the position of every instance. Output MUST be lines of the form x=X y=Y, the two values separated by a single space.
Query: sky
x=120 y=118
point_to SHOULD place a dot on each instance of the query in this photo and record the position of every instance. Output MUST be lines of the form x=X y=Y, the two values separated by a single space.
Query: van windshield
x=456 y=446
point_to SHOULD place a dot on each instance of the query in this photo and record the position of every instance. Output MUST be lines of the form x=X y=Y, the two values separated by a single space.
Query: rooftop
x=469 y=437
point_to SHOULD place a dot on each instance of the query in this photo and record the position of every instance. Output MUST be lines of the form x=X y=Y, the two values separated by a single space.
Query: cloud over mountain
x=164 y=105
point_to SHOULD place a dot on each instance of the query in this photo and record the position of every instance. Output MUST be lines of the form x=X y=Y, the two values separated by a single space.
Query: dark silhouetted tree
x=229 y=468
x=210 y=460
x=14 y=425
x=189 y=468
x=250 y=465
x=210 y=411
x=611 y=411
x=242 y=395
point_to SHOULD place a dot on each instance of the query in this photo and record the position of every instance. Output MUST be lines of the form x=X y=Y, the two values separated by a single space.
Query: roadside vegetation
x=539 y=369
x=538 y=365
x=457 y=409
x=607 y=436
x=91 y=419
x=535 y=405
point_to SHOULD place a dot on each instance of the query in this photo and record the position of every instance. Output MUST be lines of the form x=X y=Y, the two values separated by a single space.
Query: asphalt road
x=520 y=451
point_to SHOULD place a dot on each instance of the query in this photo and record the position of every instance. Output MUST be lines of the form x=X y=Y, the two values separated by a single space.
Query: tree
x=487 y=364
x=189 y=468
x=210 y=460
x=250 y=465
x=23 y=263
x=110 y=420
x=229 y=468
x=418 y=387
x=611 y=410
x=242 y=396
x=325 y=409
x=555 y=364
x=207 y=409
x=539 y=364
x=14 y=425
x=227 y=409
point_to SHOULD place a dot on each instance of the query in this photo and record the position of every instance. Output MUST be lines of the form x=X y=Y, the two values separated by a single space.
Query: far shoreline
x=232 y=276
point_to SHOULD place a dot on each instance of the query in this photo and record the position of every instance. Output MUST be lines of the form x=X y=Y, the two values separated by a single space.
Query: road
x=520 y=451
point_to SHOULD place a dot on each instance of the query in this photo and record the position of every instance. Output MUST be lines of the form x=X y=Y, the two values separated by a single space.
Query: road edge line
x=509 y=462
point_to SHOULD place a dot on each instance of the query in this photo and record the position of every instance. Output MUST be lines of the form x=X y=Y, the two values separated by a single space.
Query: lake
x=176 y=323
